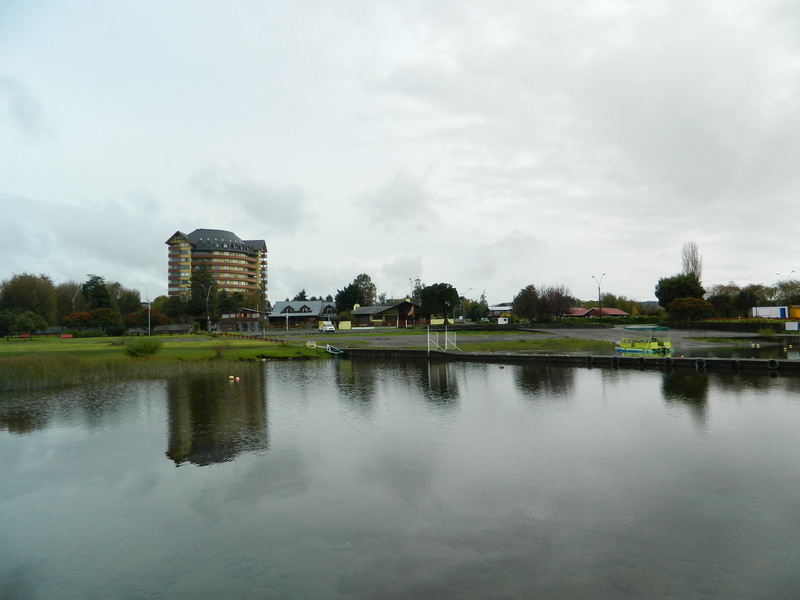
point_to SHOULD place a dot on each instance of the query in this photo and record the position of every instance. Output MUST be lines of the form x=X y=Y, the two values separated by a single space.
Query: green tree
x=172 y=306
x=140 y=318
x=202 y=294
x=786 y=292
x=96 y=293
x=126 y=299
x=526 y=303
x=26 y=292
x=690 y=309
x=368 y=289
x=6 y=322
x=28 y=323
x=683 y=285
x=233 y=301
x=103 y=318
x=751 y=296
x=723 y=298
x=300 y=296
x=439 y=299
x=474 y=311
x=348 y=297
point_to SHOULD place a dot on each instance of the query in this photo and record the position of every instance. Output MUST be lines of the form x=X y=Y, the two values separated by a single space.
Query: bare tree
x=692 y=261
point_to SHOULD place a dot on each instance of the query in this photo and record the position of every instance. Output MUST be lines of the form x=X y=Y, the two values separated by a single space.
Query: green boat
x=646 y=340
x=333 y=350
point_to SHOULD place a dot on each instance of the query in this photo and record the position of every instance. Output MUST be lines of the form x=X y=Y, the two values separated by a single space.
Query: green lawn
x=187 y=348
x=546 y=346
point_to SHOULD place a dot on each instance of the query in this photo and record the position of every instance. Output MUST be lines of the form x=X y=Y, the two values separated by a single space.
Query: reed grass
x=40 y=364
x=57 y=370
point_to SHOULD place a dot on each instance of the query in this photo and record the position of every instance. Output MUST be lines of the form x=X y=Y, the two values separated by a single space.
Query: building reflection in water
x=361 y=380
x=213 y=419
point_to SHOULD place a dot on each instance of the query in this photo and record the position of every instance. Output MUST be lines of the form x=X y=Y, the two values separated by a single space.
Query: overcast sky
x=485 y=144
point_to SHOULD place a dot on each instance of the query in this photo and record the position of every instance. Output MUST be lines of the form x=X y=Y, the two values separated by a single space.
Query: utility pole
x=599 y=297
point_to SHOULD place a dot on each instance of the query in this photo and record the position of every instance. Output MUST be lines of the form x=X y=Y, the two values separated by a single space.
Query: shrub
x=690 y=309
x=143 y=347
x=115 y=330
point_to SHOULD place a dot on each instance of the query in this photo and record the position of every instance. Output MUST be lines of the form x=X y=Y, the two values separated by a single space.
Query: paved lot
x=373 y=337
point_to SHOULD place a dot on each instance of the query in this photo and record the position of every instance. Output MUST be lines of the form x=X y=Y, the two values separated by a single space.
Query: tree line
x=30 y=303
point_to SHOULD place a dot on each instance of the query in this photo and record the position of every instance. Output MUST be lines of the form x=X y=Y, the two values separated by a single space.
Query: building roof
x=296 y=307
x=505 y=307
x=376 y=310
x=593 y=312
x=220 y=238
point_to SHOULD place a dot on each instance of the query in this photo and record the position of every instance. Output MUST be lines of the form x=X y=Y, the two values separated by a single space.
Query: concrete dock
x=607 y=361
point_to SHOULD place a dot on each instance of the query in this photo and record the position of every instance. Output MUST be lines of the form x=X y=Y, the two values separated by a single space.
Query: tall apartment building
x=237 y=265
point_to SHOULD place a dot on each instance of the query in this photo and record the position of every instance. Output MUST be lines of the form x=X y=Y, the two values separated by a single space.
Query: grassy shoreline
x=52 y=362
x=42 y=363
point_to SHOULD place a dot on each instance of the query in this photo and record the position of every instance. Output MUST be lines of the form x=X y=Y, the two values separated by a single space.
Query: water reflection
x=213 y=419
x=357 y=380
x=18 y=583
x=542 y=379
x=452 y=488
x=91 y=407
x=689 y=390
x=760 y=350
x=361 y=380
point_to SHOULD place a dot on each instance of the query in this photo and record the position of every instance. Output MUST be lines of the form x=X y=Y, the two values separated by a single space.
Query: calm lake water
x=355 y=480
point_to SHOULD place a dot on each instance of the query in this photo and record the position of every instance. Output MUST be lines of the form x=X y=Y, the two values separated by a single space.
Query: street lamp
x=78 y=291
x=464 y=301
x=599 y=297
x=147 y=296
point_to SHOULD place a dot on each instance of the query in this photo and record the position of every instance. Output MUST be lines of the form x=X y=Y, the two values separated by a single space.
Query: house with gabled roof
x=301 y=313
x=403 y=313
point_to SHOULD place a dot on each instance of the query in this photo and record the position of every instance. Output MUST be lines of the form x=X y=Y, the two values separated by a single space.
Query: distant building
x=241 y=320
x=594 y=312
x=237 y=265
x=302 y=313
x=504 y=309
x=396 y=314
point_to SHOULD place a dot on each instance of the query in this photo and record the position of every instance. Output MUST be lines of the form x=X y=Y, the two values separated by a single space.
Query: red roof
x=593 y=312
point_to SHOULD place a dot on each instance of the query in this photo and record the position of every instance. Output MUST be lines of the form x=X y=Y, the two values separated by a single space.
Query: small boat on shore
x=333 y=350
x=646 y=340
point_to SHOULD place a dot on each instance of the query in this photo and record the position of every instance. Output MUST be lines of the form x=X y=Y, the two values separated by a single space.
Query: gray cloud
x=23 y=109
x=282 y=208
x=400 y=203
x=525 y=141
